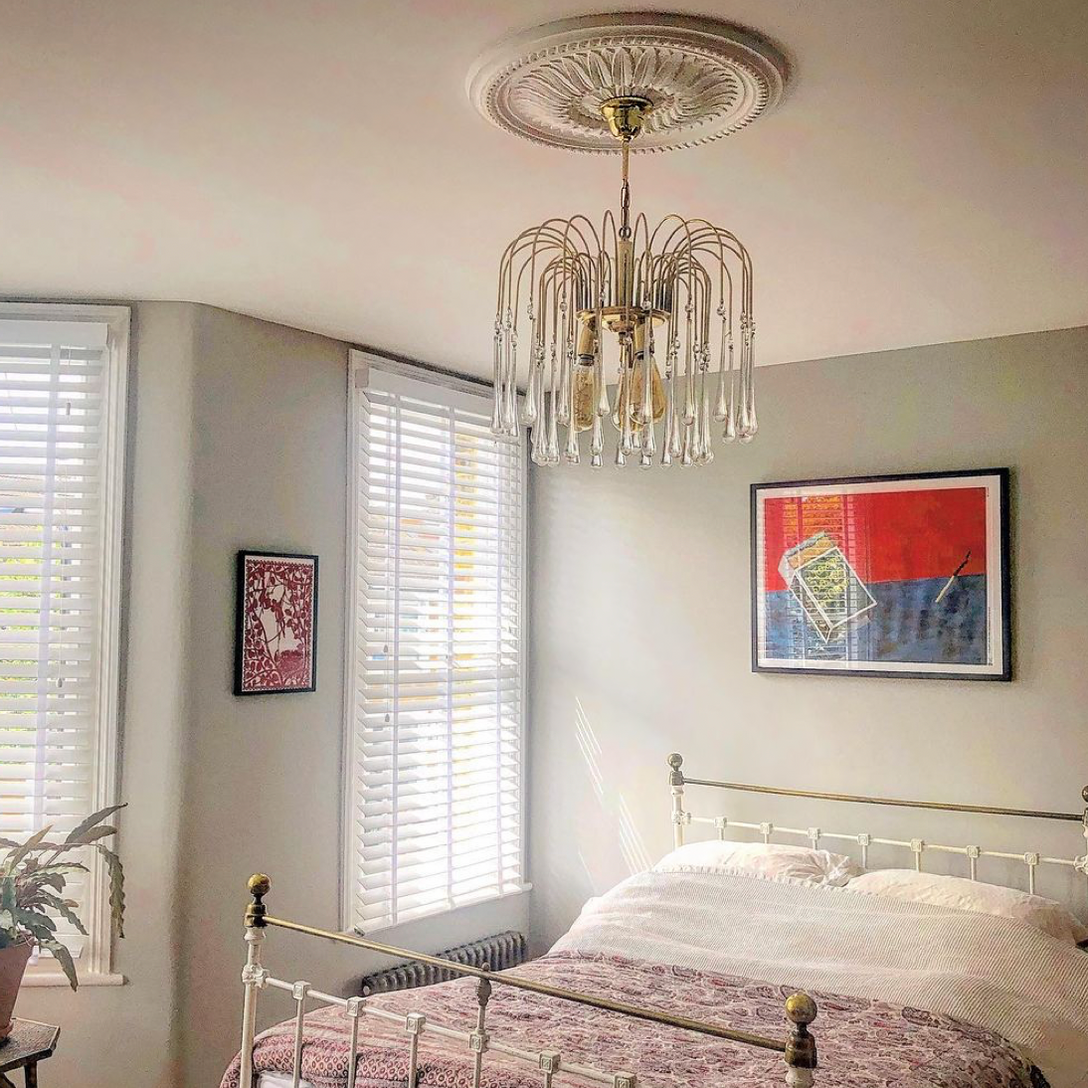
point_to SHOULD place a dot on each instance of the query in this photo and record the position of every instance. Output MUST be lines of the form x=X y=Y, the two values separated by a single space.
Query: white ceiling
x=319 y=164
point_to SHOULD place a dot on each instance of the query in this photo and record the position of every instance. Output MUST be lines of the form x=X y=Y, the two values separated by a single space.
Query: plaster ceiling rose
x=703 y=79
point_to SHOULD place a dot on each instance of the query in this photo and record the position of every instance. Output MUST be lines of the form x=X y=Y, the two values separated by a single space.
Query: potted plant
x=32 y=880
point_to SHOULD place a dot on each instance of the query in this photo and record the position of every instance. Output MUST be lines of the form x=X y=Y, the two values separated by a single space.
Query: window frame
x=95 y=966
x=359 y=363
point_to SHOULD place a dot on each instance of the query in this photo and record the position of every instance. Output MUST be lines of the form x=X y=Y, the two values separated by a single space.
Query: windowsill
x=437 y=916
x=58 y=978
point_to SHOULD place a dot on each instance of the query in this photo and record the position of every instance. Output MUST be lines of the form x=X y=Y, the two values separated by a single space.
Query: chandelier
x=646 y=329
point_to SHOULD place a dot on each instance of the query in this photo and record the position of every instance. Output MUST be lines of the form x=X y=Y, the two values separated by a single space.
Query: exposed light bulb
x=584 y=392
x=657 y=392
x=632 y=400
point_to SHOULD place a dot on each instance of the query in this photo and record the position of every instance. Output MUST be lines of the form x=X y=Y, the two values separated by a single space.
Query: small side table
x=28 y=1044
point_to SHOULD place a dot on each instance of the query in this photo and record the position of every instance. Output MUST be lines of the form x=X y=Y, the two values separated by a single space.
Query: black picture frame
x=239 y=621
x=1003 y=673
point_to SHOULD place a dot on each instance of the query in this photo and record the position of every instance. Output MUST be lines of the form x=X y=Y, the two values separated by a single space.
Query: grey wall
x=262 y=785
x=238 y=441
x=640 y=624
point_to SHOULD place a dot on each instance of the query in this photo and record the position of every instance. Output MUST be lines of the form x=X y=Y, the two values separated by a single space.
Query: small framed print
x=275 y=649
x=903 y=575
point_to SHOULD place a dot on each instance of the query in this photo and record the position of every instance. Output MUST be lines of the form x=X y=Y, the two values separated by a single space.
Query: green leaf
x=64 y=958
x=77 y=832
x=32 y=918
x=117 y=888
x=61 y=866
x=31 y=897
x=21 y=852
x=64 y=908
x=7 y=894
x=55 y=881
x=40 y=933
x=97 y=833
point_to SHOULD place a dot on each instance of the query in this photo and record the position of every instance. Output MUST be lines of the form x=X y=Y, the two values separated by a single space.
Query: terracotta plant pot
x=12 y=965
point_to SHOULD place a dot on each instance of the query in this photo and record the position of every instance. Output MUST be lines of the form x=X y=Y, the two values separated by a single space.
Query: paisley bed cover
x=910 y=996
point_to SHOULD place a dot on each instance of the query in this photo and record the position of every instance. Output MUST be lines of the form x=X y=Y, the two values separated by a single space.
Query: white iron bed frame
x=798 y=1048
x=682 y=818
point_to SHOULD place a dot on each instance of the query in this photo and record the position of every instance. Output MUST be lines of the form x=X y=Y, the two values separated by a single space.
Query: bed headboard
x=683 y=818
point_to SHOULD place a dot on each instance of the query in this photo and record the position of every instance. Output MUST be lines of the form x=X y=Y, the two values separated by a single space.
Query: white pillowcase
x=964 y=894
x=769 y=861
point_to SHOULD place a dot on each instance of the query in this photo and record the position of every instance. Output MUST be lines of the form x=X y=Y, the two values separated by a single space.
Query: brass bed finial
x=676 y=786
x=259 y=886
x=801 y=1049
x=676 y=775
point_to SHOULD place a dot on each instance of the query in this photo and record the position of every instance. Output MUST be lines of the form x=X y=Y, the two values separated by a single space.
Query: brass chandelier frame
x=570 y=284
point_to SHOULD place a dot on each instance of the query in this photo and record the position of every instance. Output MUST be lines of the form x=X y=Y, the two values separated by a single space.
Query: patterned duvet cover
x=910 y=996
x=863 y=1043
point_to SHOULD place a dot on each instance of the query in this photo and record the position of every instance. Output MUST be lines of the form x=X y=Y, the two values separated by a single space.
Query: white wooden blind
x=435 y=720
x=56 y=499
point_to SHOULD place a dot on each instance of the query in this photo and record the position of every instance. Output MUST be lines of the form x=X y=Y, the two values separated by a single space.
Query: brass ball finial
x=1084 y=794
x=259 y=884
x=676 y=761
x=801 y=1009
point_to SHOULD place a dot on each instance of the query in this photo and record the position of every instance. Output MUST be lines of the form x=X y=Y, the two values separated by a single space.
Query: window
x=435 y=674
x=62 y=401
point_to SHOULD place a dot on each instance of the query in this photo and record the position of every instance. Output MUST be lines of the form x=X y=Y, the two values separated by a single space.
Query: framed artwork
x=883 y=576
x=275 y=648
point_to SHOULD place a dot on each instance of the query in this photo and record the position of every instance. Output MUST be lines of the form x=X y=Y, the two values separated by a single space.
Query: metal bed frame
x=798 y=1048
x=682 y=818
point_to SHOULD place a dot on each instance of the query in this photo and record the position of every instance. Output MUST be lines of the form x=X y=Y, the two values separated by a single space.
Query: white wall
x=640 y=624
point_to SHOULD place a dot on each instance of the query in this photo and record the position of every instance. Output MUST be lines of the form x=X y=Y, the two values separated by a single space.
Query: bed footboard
x=798 y=1049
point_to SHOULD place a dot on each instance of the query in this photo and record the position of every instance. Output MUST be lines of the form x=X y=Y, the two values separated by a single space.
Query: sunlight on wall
x=632 y=846
x=590 y=748
x=613 y=804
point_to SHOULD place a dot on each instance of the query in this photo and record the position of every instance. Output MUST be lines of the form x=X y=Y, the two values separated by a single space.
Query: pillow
x=770 y=861
x=964 y=894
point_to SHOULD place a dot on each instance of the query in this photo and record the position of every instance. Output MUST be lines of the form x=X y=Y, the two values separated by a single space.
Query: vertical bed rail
x=676 y=784
x=801 y=1049
x=253 y=974
x=478 y=1039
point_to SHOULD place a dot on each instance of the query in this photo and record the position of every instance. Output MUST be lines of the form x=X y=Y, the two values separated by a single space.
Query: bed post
x=676 y=783
x=801 y=1048
x=478 y=1040
x=253 y=974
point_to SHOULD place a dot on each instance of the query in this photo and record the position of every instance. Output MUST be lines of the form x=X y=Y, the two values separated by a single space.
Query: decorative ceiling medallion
x=704 y=80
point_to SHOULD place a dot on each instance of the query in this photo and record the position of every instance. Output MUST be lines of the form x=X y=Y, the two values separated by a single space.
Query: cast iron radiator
x=499 y=952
